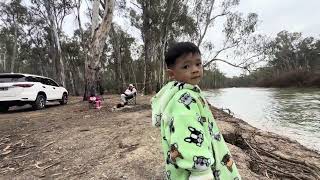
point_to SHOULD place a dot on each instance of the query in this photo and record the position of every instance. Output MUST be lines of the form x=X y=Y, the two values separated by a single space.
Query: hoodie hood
x=160 y=101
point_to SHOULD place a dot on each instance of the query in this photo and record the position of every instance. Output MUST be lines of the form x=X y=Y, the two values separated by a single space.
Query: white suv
x=19 y=89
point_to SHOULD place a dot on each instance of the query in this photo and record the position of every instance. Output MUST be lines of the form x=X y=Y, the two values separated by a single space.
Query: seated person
x=128 y=94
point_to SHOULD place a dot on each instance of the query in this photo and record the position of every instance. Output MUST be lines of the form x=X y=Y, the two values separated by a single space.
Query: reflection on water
x=292 y=112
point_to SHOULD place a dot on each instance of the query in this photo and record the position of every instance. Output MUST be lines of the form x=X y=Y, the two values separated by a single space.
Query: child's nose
x=195 y=69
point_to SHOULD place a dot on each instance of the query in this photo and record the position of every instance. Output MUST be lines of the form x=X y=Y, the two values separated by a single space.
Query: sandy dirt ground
x=75 y=142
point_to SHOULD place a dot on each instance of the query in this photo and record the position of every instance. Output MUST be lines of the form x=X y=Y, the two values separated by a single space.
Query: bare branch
x=208 y=22
x=251 y=57
x=219 y=15
x=225 y=61
x=90 y=12
x=136 y=5
x=224 y=48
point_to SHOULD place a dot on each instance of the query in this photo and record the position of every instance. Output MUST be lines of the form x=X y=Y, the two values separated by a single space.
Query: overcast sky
x=274 y=16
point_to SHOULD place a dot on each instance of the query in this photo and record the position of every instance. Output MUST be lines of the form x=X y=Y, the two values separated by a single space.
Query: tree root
x=275 y=164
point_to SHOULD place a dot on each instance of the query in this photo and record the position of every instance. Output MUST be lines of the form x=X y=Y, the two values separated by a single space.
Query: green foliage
x=180 y=23
x=13 y=17
x=213 y=78
x=13 y=12
x=162 y=22
x=293 y=60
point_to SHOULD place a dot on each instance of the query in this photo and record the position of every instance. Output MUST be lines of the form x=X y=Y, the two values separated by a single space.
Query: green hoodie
x=191 y=140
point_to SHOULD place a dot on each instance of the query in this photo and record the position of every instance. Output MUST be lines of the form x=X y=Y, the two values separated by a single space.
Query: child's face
x=188 y=69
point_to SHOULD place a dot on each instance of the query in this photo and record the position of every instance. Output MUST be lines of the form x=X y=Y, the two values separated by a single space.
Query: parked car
x=19 y=89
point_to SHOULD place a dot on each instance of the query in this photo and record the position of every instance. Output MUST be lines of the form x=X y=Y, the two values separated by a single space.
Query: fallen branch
x=46 y=167
x=6 y=152
x=253 y=149
x=6 y=148
x=16 y=157
x=84 y=130
x=56 y=163
x=278 y=171
x=37 y=165
x=303 y=165
x=48 y=144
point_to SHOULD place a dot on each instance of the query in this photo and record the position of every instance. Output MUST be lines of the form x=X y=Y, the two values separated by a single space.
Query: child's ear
x=170 y=73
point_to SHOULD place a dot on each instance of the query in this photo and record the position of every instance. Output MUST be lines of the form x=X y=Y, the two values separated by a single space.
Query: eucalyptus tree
x=238 y=32
x=101 y=24
x=53 y=13
x=291 y=51
x=159 y=22
x=121 y=57
x=13 y=16
x=293 y=60
x=5 y=47
x=38 y=33
x=73 y=59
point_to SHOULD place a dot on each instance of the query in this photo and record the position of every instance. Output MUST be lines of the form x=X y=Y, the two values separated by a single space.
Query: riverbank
x=73 y=142
x=295 y=78
x=287 y=79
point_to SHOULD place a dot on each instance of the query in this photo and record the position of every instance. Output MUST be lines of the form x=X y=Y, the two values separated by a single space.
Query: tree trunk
x=3 y=59
x=99 y=36
x=147 y=67
x=59 y=63
x=117 y=72
x=134 y=75
x=117 y=61
x=4 y=62
x=14 y=49
x=208 y=22
x=72 y=83
x=81 y=77
x=163 y=40
x=147 y=38
x=41 y=64
x=80 y=80
x=122 y=76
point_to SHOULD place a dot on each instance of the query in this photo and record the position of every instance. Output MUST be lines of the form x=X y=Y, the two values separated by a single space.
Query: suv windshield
x=7 y=78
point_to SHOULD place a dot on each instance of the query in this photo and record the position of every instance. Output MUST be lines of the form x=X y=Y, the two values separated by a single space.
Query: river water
x=292 y=112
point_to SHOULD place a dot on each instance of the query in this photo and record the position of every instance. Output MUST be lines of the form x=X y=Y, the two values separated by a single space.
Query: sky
x=278 y=15
x=274 y=16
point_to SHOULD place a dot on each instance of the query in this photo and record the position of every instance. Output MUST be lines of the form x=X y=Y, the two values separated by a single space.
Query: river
x=292 y=112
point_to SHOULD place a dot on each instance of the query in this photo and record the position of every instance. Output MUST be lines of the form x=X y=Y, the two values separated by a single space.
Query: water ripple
x=291 y=112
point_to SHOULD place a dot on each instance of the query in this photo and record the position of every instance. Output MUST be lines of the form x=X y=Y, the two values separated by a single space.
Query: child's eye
x=199 y=64
x=186 y=67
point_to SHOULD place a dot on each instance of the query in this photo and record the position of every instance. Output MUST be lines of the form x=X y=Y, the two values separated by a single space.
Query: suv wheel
x=64 y=99
x=4 y=108
x=40 y=102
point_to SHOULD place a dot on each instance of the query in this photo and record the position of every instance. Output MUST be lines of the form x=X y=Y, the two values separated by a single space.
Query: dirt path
x=73 y=142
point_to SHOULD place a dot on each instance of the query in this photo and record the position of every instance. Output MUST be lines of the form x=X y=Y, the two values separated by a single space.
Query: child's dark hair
x=179 y=49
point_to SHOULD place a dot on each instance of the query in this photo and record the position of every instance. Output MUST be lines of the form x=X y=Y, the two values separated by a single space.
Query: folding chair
x=133 y=101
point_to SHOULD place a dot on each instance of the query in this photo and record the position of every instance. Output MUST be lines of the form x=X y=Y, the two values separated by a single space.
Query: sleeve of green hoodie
x=187 y=132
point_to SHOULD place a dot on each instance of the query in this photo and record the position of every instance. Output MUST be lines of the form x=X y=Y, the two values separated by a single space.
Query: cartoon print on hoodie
x=186 y=99
x=198 y=146
x=201 y=163
x=180 y=85
x=196 y=137
x=158 y=120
